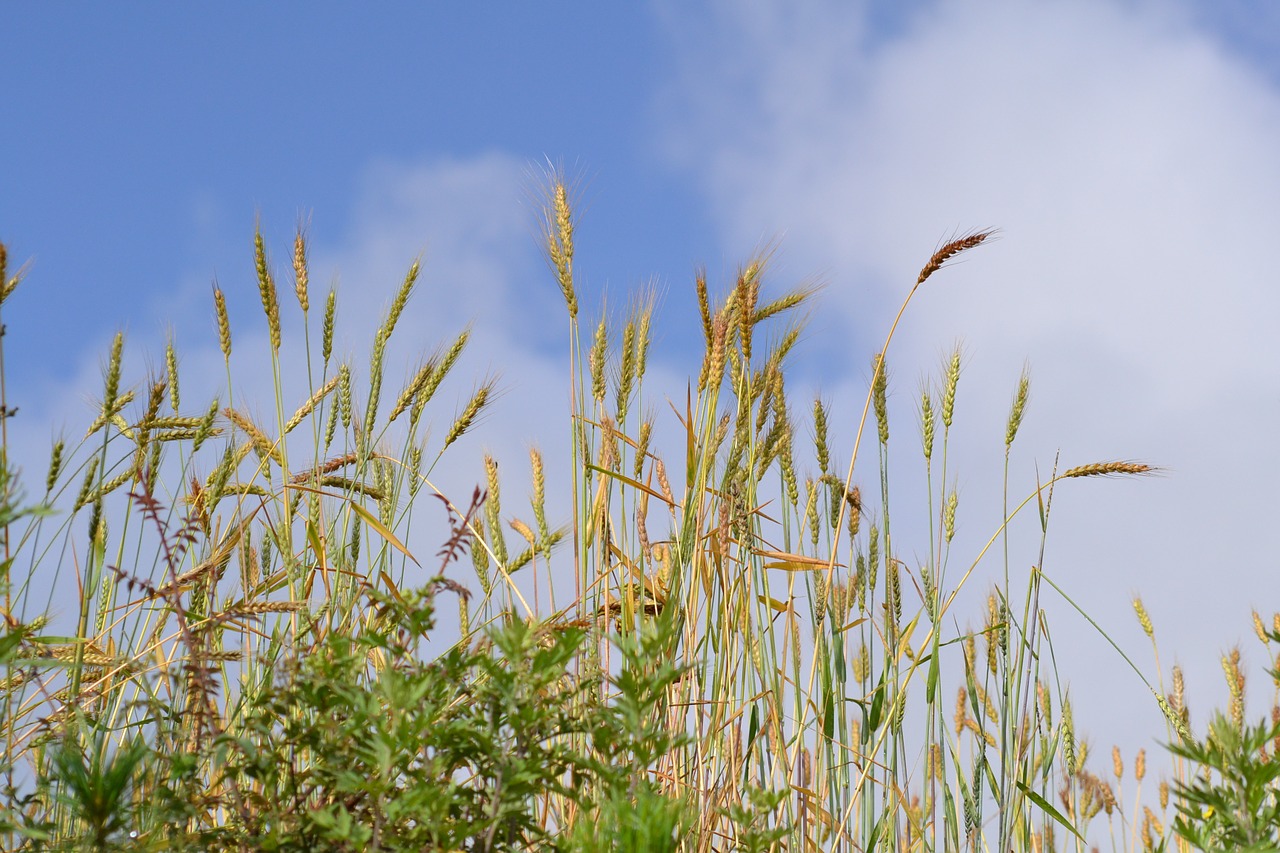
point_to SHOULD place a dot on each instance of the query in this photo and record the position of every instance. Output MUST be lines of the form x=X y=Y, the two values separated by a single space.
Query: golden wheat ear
x=1110 y=469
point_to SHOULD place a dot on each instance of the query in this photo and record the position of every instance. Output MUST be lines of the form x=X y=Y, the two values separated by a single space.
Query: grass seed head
x=1235 y=686
x=472 y=410
x=1108 y=798
x=642 y=448
x=409 y=394
x=375 y=380
x=111 y=389
x=626 y=371
x=344 y=394
x=644 y=335
x=598 y=356
x=539 y=501
x=1046 y=701
x=267 y=288
x=820 y=599
x=1143 y=618
x=300 y=276
x=8 y=285
x=879 y=396
x=853 y=499
x=55 y=466
x=326 y=333
x=1108 y=469
x=783 y=303
x=493 y=511
x=432 y=384
x=1018 y=408
x=811 y=510
x=224 y=323
x=704 y=306
x=840 y=602
x=310 y=404
x=786 y=462
x=266 y=448
x=820 y=445
x=949 y=251
x=608 y=444
x=950 y=380
x=402 y=298
x=718 y=354
x=558 y=238
x=1070 y=753
x=748 y=294
x=171 y=373
x=927 y=419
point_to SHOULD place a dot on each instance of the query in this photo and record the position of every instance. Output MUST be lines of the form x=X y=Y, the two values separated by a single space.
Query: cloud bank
x=1128 y=160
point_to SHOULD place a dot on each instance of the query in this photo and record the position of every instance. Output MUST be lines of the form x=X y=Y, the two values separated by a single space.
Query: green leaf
x=382 y=531
x=931 y=683
x=829 y=717
x=877 y=705
x=1048 y=809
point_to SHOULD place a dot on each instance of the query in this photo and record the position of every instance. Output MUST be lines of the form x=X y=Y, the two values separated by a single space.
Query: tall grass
x=815 y=655
x=731 y=652
x=206 y=546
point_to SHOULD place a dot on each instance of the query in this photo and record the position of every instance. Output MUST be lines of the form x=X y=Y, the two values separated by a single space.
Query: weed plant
x=735 y=656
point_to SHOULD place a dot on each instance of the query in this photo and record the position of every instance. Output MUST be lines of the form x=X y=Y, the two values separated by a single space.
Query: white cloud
x=1129 y=161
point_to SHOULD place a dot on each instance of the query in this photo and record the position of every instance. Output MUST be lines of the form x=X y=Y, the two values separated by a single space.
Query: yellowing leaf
x=794 y=562
x=382 y=531
x=779 y=606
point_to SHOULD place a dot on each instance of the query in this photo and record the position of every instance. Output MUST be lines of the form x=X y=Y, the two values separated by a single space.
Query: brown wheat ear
x=1108 y=469
x=950 y=250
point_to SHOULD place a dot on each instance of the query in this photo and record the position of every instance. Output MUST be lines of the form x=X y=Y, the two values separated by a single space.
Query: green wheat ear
x=224 y=322
x=267 y=288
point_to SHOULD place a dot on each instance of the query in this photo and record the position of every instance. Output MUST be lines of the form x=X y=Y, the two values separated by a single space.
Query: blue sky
x=1125 y=149
x=178 y=125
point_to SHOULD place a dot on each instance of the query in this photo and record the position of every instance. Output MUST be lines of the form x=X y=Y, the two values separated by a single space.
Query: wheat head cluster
x=721 y=646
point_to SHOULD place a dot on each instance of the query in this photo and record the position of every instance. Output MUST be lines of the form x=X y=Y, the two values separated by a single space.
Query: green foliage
x=757 y=815
x=363 y=745
x=406 y=754
x=1232 y=801
x=98 y=788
